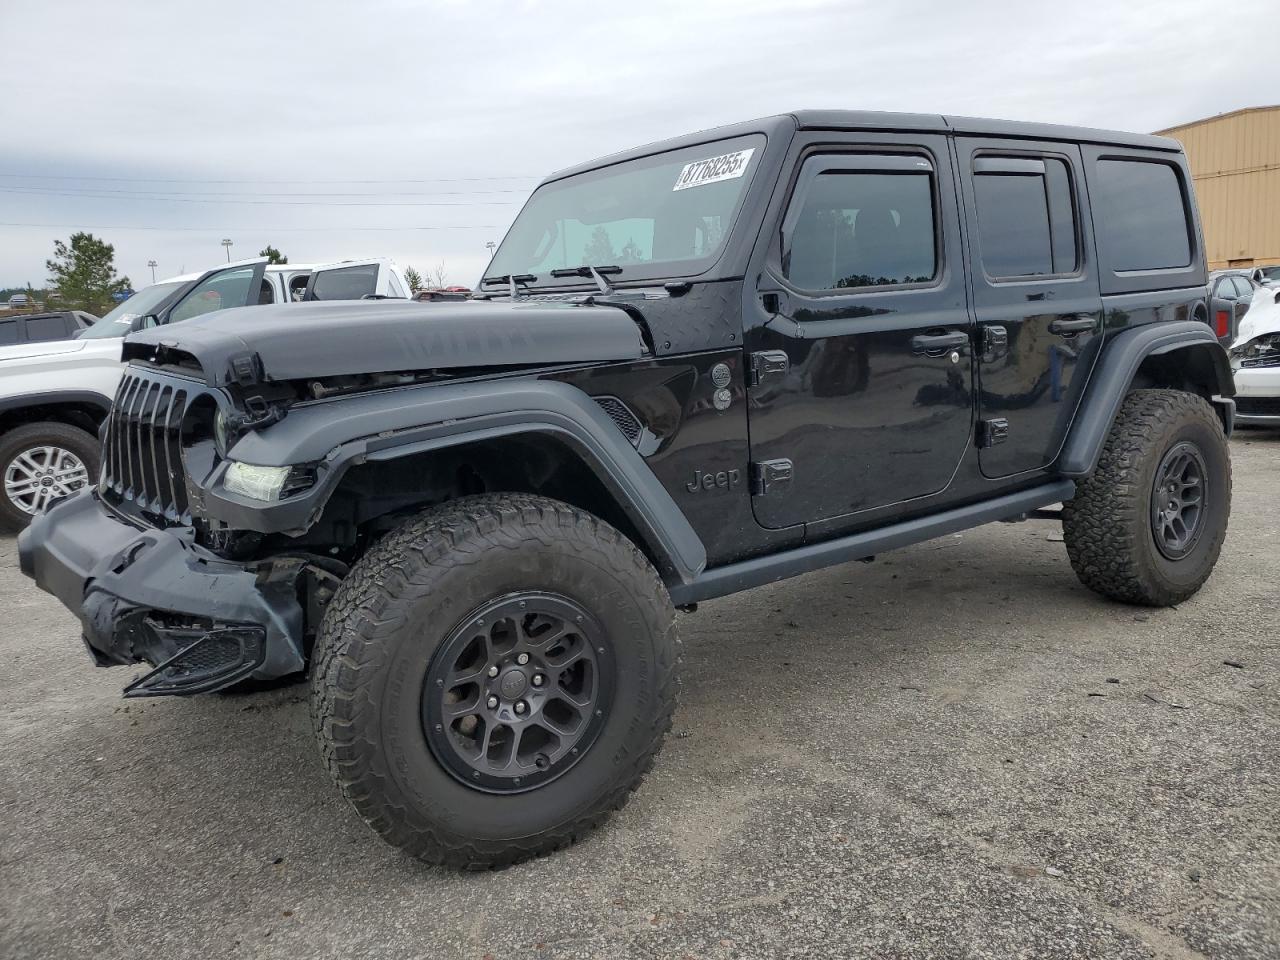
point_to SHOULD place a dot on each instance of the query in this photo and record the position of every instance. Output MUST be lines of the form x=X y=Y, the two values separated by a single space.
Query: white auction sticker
x=714 y=169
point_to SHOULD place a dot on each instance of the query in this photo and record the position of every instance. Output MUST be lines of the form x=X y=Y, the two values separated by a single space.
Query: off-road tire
x=1107 y=525
x=396 y=607
x=48 y=433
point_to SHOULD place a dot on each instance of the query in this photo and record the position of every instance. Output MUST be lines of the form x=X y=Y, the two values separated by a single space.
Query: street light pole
x=152 y=264
x=491 y=246
x=227 y=245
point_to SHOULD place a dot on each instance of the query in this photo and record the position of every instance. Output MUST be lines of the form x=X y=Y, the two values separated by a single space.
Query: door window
x=1141 y=215
x=1225 y=289
x=44 y=329
x=1243 y=288
x=860 y=228
x=345 y=283
x=8 y=332
x=230 y=288
x=1026 y=219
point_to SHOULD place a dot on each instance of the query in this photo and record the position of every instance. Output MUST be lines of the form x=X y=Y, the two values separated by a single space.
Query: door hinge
x=991 y=432
x=765 y=364
x=995 y=343
x=768 y=474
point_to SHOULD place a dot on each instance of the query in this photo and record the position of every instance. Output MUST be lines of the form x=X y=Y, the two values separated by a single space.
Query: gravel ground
x=957 y=751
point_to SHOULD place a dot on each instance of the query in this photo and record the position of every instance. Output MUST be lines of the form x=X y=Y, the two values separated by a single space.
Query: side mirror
x=143 y=321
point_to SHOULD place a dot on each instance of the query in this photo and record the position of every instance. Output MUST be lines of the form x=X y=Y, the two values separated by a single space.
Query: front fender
x=1188 y=343
x=341 y=432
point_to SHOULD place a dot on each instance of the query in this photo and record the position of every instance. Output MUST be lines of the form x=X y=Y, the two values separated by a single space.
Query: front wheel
x=493 y=679
x=40 y=463
x=1147 y=526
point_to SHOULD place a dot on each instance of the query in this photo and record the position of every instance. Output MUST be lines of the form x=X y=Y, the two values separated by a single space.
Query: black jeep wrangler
x=692 y=368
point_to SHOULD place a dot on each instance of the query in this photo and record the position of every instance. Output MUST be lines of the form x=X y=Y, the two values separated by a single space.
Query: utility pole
x=152 y=264
x=227 y=245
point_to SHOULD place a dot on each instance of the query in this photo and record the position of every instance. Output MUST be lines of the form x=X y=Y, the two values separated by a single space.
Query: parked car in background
x=55 y=393
x=20 y=301
x=1267 y=276
x=43 y=327
x=1230 y=292
x=1255 y=362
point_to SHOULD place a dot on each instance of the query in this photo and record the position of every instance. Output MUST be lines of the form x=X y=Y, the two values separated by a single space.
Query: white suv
x=54 y=395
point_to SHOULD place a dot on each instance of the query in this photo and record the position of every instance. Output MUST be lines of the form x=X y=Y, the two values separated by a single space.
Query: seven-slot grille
x=142 y=452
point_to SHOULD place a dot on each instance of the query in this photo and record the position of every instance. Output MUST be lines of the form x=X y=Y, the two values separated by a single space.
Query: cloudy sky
x=414 y=130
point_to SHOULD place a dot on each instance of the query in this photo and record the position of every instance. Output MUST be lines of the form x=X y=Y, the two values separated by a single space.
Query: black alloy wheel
x=518 y=692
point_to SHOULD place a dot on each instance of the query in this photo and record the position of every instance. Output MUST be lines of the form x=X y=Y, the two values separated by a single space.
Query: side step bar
x=721 y=581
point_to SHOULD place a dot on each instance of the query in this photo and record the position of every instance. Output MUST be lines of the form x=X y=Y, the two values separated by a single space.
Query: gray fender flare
x=388 y=424
x=1122 y=355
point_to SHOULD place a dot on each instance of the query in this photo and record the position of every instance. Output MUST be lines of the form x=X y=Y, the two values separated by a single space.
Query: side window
x=862 y=228
x=44 y=329
x=1243 y=288
x=1026 y=217
x=267 y=292
x=8 y=332
x=230 y=288
x=298 y=286
x=345 y=283
x=1141 y=214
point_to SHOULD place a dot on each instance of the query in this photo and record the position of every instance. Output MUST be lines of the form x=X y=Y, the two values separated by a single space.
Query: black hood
x=322 y=339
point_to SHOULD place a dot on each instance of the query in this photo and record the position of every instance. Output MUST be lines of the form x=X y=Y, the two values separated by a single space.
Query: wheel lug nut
x=493 y=671
x=539 y=680
x=520 y=707
x=492 y=703
x=522 y=659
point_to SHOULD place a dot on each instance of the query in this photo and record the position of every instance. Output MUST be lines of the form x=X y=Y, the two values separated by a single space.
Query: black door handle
x=1069 y=328
x=936 y=344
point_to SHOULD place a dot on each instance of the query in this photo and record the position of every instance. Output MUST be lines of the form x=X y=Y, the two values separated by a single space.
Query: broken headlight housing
x=267 y=484
x=1263 y=351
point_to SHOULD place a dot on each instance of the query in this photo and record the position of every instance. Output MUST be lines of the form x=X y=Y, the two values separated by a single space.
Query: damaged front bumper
x=154 y=596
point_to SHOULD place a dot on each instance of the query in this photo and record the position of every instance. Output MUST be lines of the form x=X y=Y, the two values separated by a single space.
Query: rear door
x=354 y=280
x=1035 y=295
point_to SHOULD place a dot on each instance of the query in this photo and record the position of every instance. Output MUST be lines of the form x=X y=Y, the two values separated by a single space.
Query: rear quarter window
x=1142 y=215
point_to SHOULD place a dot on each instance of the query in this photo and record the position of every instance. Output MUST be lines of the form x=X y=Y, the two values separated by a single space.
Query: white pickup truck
x=54 y=395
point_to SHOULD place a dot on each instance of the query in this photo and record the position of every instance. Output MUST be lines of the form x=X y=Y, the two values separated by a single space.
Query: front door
x=859 y=335
x=1035 y=294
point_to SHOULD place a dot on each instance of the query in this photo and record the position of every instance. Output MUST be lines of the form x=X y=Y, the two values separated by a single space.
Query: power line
x=49 y=176
x=78 y=191
x=36 y=191
x=271 y=229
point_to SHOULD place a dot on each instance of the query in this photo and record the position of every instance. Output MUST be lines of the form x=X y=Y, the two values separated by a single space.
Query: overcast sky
x=414 y=130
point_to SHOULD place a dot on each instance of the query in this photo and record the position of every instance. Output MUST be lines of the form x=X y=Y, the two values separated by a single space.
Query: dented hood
x=320 y=339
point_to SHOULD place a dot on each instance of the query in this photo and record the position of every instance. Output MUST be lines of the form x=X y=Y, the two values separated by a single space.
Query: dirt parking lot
x=954 y=752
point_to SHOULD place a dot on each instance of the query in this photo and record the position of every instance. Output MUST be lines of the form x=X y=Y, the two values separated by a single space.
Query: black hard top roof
x=884 y=121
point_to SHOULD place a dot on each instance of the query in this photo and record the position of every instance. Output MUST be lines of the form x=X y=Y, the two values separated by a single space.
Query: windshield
x=117 y=322
x=660 y=216
x=1271 y=273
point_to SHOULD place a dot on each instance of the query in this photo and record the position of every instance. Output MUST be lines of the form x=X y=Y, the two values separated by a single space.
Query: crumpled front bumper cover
x=153 y=596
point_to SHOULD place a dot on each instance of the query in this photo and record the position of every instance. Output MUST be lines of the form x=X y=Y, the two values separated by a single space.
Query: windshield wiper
x=511 y=279
x=594 y=273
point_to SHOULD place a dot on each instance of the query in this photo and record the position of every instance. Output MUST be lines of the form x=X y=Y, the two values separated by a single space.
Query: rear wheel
x=493 y=678
x=1148 y=524
x=40 y=463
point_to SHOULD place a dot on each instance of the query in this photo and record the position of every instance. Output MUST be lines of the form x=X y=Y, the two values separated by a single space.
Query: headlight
x=254 y=482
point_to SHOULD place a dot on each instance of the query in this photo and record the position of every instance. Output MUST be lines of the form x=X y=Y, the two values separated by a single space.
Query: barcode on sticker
x=730 y=166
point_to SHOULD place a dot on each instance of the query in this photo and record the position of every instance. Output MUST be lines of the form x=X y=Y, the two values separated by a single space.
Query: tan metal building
x=1235 y=163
